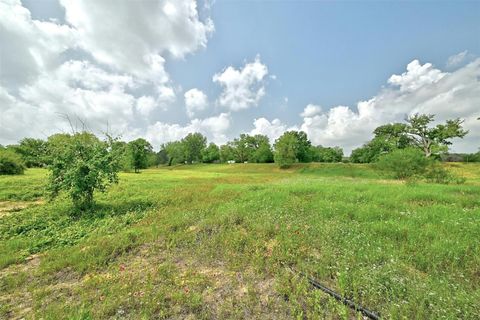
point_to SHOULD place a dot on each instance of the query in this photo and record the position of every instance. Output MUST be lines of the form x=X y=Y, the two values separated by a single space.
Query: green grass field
x=212 y=242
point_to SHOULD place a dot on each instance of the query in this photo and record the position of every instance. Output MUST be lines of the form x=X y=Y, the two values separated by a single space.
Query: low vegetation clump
x=404 y=163
x=80 y=165
x=411 y=163
x=11 y=163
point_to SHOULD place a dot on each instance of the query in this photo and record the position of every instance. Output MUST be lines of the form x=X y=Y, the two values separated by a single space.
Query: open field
x=211 y=241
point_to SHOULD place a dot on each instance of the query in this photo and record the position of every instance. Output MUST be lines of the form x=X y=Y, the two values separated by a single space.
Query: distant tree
x=472 y=157
x=33 y=152
x=432 y=140
x=162 y=155
x=211 y=153
x=387 y=138
x=84 y=166
x=370 y=151
x=291 y=147
x=286 y=149
x=262 y=151
x=11 y=162
x=242 y=147
x=226 y=153
x=123 y=155
x=152 y=159
x=326 y=154
x=193 y=146
x=175 y=152
x=361 y=155
x=139 y=151
x=393 y=136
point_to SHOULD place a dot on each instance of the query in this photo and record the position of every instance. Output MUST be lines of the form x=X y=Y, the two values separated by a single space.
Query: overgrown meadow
x=213 y=242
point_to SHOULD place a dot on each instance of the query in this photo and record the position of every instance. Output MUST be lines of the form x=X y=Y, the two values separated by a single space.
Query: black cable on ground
x=337 y=296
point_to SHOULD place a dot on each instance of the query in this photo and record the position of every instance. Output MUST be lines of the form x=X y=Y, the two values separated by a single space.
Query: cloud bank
x=420 y=89
x=111 y=75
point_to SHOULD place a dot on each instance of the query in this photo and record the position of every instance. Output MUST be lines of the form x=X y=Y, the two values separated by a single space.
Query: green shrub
x=404 y=163
x=11 y=162
x=83 y=165
x=438 y=174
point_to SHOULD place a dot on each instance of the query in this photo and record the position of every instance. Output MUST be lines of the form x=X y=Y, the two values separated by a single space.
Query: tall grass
x=211 y=241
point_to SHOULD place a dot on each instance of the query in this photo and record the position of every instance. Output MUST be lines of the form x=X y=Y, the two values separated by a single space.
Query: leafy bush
x=11 y=162
x=404 y=163
x=85 y=164
x=412 y=164
x=437 y=174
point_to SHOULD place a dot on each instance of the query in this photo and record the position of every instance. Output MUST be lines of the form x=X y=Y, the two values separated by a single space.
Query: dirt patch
x=235 y=294
x=8 y=207
x=19 y=301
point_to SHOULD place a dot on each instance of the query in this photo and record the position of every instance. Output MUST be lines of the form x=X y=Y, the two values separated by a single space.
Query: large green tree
x=162 y=155
x=262 y=151
x=248 y=148
x=211 y=153
x=227 y=153
x=175 y=152
x=436 y=139
x=302 y=146
x=286 y=150
x=387 y=138
x=193 y=146
x=242 y=147
x=393 y=136
x=291 y=147
x=139 y=151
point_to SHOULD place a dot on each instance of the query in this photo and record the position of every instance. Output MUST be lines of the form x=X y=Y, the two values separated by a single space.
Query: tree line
x=80 y=163
x=291 y=147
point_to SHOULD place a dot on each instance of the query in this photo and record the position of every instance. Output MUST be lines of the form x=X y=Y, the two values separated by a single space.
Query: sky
x=162 y=69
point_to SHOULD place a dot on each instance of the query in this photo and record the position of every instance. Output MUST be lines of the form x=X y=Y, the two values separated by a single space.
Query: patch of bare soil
x=17 y=300
x=237 y=294
x=8 y=207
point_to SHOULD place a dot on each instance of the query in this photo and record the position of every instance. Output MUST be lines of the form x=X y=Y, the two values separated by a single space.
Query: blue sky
x=327 y=57
x=329 y=53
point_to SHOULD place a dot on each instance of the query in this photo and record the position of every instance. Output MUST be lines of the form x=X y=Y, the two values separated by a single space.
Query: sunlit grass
x=211 y=241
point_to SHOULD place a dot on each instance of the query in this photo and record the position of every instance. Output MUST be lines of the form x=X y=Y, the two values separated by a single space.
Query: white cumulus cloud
x=457 y=59
x=242 y=88
x=29 y=47
x=422 y=89
x=272 y=129
x=195 y=100
x=102 y=68
x=215 y=128
x=311 y=110
x=135 y=36
x=416 y=76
